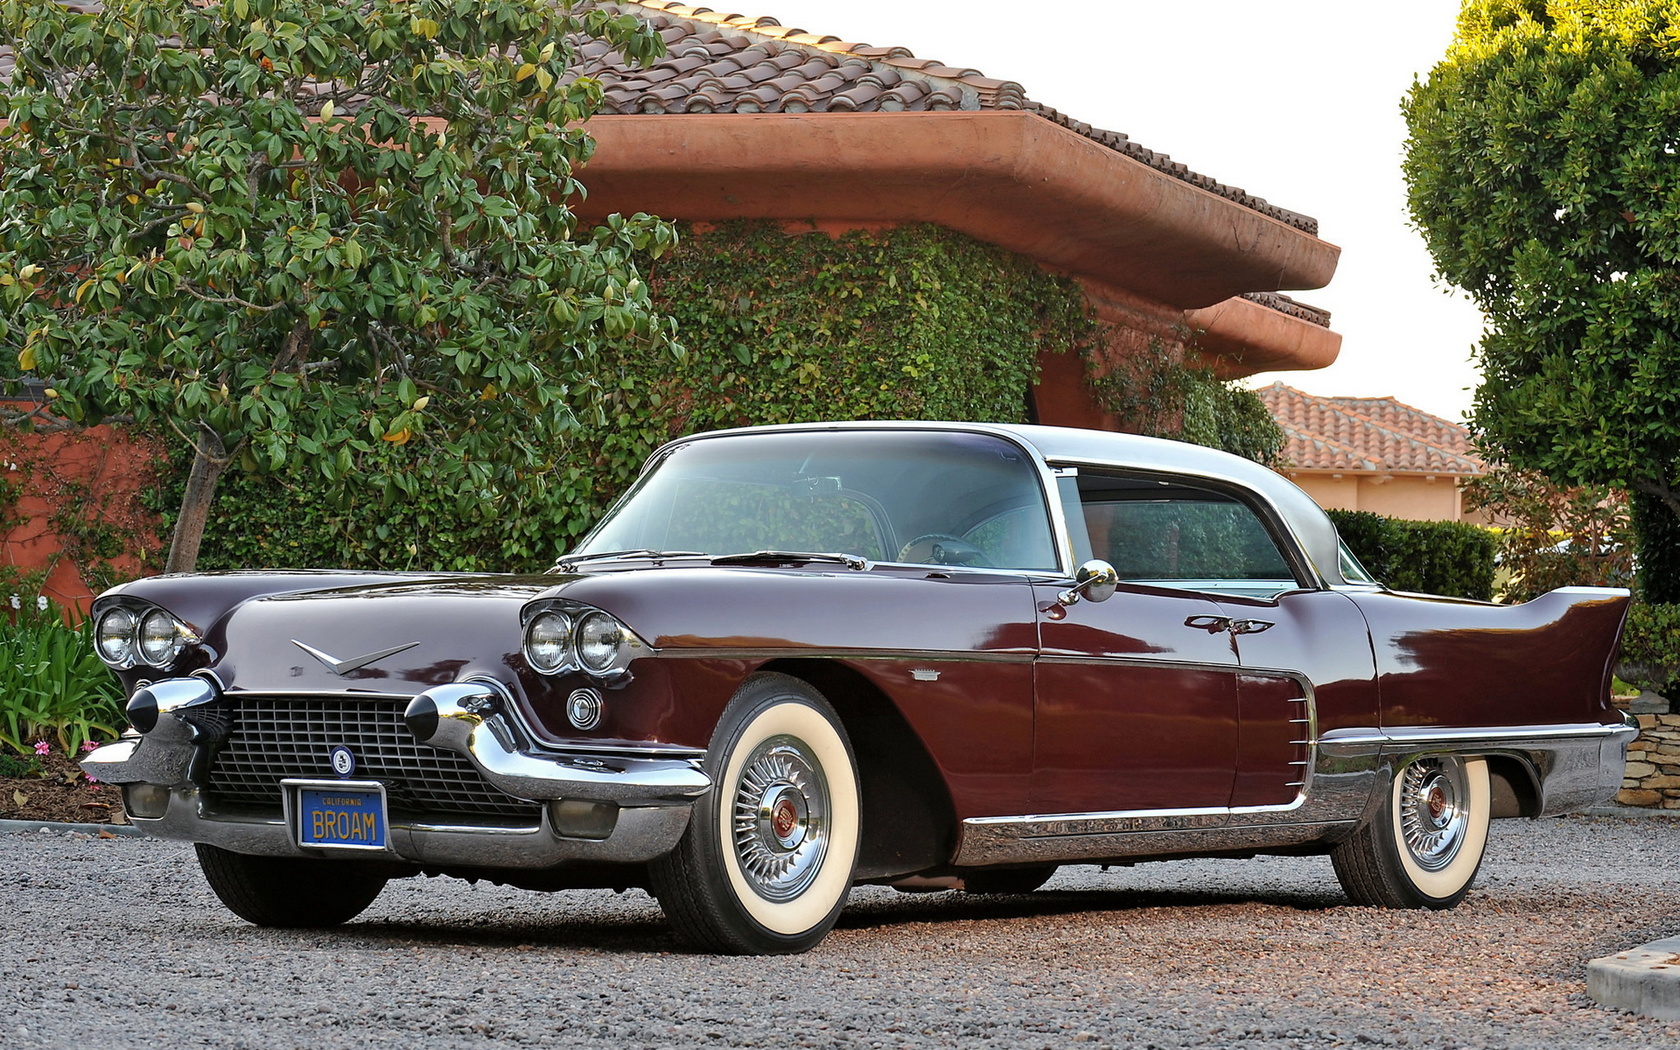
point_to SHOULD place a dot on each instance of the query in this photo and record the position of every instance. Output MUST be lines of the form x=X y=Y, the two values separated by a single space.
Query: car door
x=1135 y=703
x=1195 y=686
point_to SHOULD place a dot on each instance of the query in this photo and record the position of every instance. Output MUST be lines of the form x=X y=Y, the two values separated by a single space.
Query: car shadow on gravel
x=592 y=929
x=954 y=907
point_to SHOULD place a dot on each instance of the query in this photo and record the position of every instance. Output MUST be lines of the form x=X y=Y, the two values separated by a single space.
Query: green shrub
x=53 y=687
x=1430 y=557
x=1651 y=649
x=915 y=322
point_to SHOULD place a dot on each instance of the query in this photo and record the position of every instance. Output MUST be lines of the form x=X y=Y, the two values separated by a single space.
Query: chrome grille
x=275 y=738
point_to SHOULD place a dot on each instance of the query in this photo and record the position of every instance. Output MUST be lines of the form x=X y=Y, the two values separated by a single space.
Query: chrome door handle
x=1210 y=624
x=1250 y=626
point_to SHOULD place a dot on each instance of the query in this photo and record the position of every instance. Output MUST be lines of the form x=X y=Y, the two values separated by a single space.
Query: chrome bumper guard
x=652 y=794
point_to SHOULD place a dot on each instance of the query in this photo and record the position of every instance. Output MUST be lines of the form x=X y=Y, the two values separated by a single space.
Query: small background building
x=1375 y=454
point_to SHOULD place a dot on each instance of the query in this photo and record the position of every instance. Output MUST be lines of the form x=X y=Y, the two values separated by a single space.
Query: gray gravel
x=118 y=943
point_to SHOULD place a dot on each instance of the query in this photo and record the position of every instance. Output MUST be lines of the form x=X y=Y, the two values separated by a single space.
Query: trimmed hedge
x=1430 y=557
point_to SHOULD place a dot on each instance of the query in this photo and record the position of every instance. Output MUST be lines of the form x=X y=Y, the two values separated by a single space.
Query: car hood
x=387 y=637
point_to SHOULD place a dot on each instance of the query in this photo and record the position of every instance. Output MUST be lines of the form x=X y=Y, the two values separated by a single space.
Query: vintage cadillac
x=793 y=659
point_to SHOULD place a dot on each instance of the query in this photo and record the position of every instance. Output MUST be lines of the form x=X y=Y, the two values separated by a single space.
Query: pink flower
x=88 y=745
x=43 y=748
x=91 y=779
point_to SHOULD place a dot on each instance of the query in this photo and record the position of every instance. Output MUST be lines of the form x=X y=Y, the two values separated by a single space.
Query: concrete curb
x=12 y=826
x=1642 y=980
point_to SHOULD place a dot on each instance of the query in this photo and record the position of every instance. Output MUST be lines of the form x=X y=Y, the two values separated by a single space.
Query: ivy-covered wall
x=908 y=323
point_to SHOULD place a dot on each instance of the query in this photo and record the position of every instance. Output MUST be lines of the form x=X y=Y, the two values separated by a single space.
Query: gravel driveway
x=118 y=943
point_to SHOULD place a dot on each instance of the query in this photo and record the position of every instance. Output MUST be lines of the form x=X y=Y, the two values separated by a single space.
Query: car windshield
x=923 y=497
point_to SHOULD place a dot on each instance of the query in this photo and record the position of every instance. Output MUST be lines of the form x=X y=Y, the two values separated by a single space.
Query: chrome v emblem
x=355 y=663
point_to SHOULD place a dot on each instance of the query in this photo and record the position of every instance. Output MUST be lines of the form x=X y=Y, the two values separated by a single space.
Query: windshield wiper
x=572 y=561
x=850 y=561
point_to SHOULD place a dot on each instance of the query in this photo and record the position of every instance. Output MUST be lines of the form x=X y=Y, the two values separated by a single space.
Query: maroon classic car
x=797 y=658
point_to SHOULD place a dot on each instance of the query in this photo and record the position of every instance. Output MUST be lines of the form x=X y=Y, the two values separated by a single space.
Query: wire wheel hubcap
x=1433 y=817
x=780 y=823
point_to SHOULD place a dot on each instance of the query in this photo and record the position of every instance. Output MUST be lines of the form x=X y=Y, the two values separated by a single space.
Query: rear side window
x=1174 y=535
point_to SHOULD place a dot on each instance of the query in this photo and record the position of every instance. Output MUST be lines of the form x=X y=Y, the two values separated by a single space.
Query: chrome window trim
x=803 y=653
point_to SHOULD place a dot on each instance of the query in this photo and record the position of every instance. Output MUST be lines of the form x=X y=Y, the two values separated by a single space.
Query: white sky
x=1296 y=101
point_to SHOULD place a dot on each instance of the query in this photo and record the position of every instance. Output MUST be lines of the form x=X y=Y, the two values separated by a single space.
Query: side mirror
x=1095 y=581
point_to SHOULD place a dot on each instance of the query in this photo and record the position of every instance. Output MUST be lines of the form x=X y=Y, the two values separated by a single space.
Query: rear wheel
x=767 y=861
x=293 y=892
x=1425 y=846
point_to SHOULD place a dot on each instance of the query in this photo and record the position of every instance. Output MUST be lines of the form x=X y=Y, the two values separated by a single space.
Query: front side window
x=922 y=497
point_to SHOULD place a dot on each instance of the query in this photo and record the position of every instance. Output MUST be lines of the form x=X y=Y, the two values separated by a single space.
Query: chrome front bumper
x=647 y=797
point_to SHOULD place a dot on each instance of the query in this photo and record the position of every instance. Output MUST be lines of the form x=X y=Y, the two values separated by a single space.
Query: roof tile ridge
x=974 y=90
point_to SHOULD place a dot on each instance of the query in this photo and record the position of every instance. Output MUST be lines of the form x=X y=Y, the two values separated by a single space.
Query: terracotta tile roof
x=728 y=63
x=1375 y=435
x=1283 y=304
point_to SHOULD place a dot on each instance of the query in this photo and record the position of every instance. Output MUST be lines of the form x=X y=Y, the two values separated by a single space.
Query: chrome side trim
x=1131 y=836
x=1573 y=766
x=1232 y=668
x=1332 y=808
x=1349 y=743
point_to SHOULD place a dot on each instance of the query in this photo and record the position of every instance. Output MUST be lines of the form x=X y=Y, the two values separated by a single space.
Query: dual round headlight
x=590 y=640
x=126 y=637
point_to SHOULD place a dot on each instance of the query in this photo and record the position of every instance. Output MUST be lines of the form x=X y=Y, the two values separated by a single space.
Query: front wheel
x=1425 y=846
x=293 y=892
x=766 y=863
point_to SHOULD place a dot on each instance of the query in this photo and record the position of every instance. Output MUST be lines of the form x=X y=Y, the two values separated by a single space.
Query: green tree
x=1551 y=537
x=1544 y=172
x=307 y=230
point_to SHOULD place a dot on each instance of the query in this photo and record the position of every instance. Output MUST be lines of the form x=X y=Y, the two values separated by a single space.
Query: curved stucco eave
x=1240 y=338
x=1010 y=178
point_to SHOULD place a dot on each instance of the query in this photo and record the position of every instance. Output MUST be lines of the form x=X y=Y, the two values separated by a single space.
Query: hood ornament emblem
x=355 y=663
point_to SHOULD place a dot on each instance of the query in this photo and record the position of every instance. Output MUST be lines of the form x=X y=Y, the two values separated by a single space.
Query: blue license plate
x=352 y=818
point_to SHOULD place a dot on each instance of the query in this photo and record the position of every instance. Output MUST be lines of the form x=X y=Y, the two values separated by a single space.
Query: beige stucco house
x=1375 y=454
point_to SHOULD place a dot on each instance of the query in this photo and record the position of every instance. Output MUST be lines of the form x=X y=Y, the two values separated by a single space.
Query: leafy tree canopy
x=1544 y=172
x=301 y=229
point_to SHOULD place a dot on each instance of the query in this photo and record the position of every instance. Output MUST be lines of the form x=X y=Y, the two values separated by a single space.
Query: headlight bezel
x=555 y=652
x=115 y=648
x=124 y=648
x=608 y=666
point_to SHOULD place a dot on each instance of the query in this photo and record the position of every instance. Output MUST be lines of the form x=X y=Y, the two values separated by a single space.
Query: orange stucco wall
x=94 y=477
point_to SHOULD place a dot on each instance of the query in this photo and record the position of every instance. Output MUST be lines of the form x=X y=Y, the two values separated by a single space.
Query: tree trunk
x=209 y=460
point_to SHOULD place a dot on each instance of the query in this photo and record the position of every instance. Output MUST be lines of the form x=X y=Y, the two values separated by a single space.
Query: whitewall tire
x=767 y=862
x=1425 y=846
